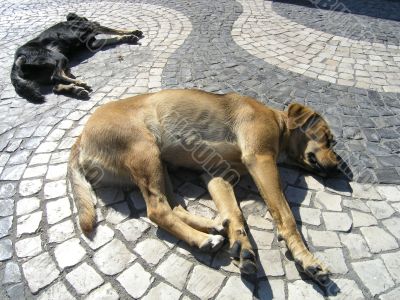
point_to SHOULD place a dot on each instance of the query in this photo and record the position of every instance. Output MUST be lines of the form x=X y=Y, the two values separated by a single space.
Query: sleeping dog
x=45 y=58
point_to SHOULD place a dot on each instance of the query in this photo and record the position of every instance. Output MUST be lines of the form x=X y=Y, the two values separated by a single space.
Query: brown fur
x=137 y=137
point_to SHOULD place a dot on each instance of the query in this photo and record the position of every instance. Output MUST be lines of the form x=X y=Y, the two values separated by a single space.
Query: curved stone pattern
x=316 y=54
x=43 y=255
x=364 y=20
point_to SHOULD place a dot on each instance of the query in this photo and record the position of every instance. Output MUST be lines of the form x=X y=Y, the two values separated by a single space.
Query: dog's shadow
x=250 y=203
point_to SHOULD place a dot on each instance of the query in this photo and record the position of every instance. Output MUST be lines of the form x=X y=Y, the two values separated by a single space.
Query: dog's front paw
x=315 y=269
x=244 y=258
x=138 y=33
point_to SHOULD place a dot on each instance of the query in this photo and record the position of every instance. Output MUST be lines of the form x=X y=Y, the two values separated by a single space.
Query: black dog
x=45 y=58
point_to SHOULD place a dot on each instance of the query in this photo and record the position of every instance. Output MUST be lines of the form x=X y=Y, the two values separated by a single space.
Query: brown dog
x=136 y=138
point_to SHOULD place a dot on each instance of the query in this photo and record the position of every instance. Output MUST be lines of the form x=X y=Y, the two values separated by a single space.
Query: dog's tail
x=25 y=88
x=82 y=191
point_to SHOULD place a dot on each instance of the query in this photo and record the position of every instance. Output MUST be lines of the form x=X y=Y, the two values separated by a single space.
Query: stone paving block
x=380 y=209
x=113 y=257
x=364 y=191
x=163 y=292
x=7 y=190
x=348 y=289
x=151 y=250
x=133 y=229
x=307 y=215
x=311 y=182
x=57 y=172
x=30 y=187
x=28 y=247
x=337 y=221
x=236 y=288
x=390 y=193
x=117 y=213
x=223 y=260
x=29 y=223
x=5 y=249
x=392 y=295
x=204 y=282
x=175 y=270
x=338 y=186
x=362 y=219
x=378 y=239
x=5 y=225
x=298 y=196
x=84 y=279
x=69 y=253
x=16 y=291
x=356 y=204
x=56 y=291
x=324 y=238
x=393 y=225
x=27 y=205
x=271 y=289
x=269 y=263
x=356 y=245
x=55 y=189
x=304 y=290
x=6 y=207
x=392 y=263
x=327 y=201
x=61 y=232
x=57 y=210
x=36 y=171
x=374 y=275
x=259 y=222
x=334 y=260
x=43 y=265
x=261 y=239
x=11 y=273
x=13 y=172
x=135 y=280
x=106 y=291
x=100 y=236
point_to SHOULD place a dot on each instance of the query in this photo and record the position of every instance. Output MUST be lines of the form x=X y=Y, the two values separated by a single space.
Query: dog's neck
x=284 y=136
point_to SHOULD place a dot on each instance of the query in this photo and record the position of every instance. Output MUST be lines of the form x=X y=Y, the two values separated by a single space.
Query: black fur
x=44 y=59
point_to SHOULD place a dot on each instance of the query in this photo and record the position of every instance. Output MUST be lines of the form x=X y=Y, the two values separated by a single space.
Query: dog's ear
x=298 y=115
x=72 y=16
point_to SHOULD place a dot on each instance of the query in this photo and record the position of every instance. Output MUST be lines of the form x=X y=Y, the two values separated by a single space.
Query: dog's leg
x=145 y=166
x=96 y=45
x=107 y=30
x=200 y=223
x=223 y=195
x=60 y=76
x=265 y=173
x=71 y=88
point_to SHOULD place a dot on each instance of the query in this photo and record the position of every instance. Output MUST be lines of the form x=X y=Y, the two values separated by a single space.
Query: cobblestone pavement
x=259 y=48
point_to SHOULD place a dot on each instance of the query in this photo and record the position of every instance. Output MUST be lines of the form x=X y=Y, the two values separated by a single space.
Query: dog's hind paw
x=213 y=243
x=83 y=94
x=130 y=39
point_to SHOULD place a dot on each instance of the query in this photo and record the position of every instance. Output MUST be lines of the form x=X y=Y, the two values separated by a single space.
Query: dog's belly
x=203 y=156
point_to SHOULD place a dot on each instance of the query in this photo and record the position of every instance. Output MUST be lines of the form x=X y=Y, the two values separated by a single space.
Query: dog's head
x=75 y=17
x=310 y=141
